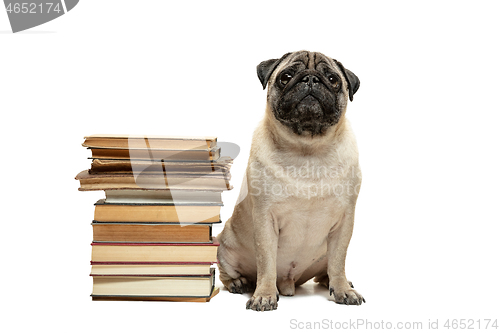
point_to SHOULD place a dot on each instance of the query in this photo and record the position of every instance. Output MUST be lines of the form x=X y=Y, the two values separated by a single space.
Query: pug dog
x=295 y=215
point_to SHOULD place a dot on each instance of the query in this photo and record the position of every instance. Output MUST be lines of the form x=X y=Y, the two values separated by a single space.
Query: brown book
x=94 y=182
x=155 y=252
x=149 y=142
x=151 y=233
x=151 y=286
x=177 y=212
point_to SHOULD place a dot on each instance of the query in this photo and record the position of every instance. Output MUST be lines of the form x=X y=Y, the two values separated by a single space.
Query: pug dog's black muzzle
x=307 y=103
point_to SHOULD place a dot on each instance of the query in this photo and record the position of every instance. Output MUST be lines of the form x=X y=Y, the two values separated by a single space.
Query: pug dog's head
x=307 y=91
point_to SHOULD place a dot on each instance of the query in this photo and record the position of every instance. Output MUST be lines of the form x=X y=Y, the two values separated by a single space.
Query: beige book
x=155 y=252
x=94 y=182
x=163 y=286
x=124 y=269
x=148 y=142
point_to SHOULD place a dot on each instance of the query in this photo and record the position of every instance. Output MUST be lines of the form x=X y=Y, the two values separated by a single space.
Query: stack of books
x=153 y=231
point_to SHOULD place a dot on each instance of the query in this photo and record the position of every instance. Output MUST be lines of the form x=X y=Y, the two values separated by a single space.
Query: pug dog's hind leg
x=229 y=275
x=236 y=285
x=286 y=286
x=338 y=240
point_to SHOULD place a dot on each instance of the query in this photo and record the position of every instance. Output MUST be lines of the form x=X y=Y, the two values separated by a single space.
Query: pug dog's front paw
x=343 y=293
x=263 y=302
x=348 y=297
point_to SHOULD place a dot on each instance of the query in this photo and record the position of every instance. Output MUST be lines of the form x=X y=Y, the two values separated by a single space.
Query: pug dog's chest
x=303 y=180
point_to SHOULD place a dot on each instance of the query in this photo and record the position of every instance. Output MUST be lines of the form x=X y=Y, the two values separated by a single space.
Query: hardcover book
x=151 y=232
x=165 y=253
x=153 y=286
x=116 y=181
x=124 y=269
x=149 y=142
x=162 y=212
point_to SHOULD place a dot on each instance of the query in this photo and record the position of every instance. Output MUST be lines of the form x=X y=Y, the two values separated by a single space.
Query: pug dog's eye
x=334 y=80
x=285 y=78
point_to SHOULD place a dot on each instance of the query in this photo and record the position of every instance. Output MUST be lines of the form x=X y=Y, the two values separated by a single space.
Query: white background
x=426 y=117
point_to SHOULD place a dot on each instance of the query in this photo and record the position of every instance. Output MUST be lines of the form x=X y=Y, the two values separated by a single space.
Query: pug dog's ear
x=352 y=80
x=266 y=68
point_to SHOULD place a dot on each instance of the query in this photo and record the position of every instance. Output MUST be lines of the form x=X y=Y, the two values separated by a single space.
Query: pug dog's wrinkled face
x=307 y=91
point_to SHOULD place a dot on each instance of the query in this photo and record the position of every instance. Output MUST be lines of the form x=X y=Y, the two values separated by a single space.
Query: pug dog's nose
x=310 y=79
